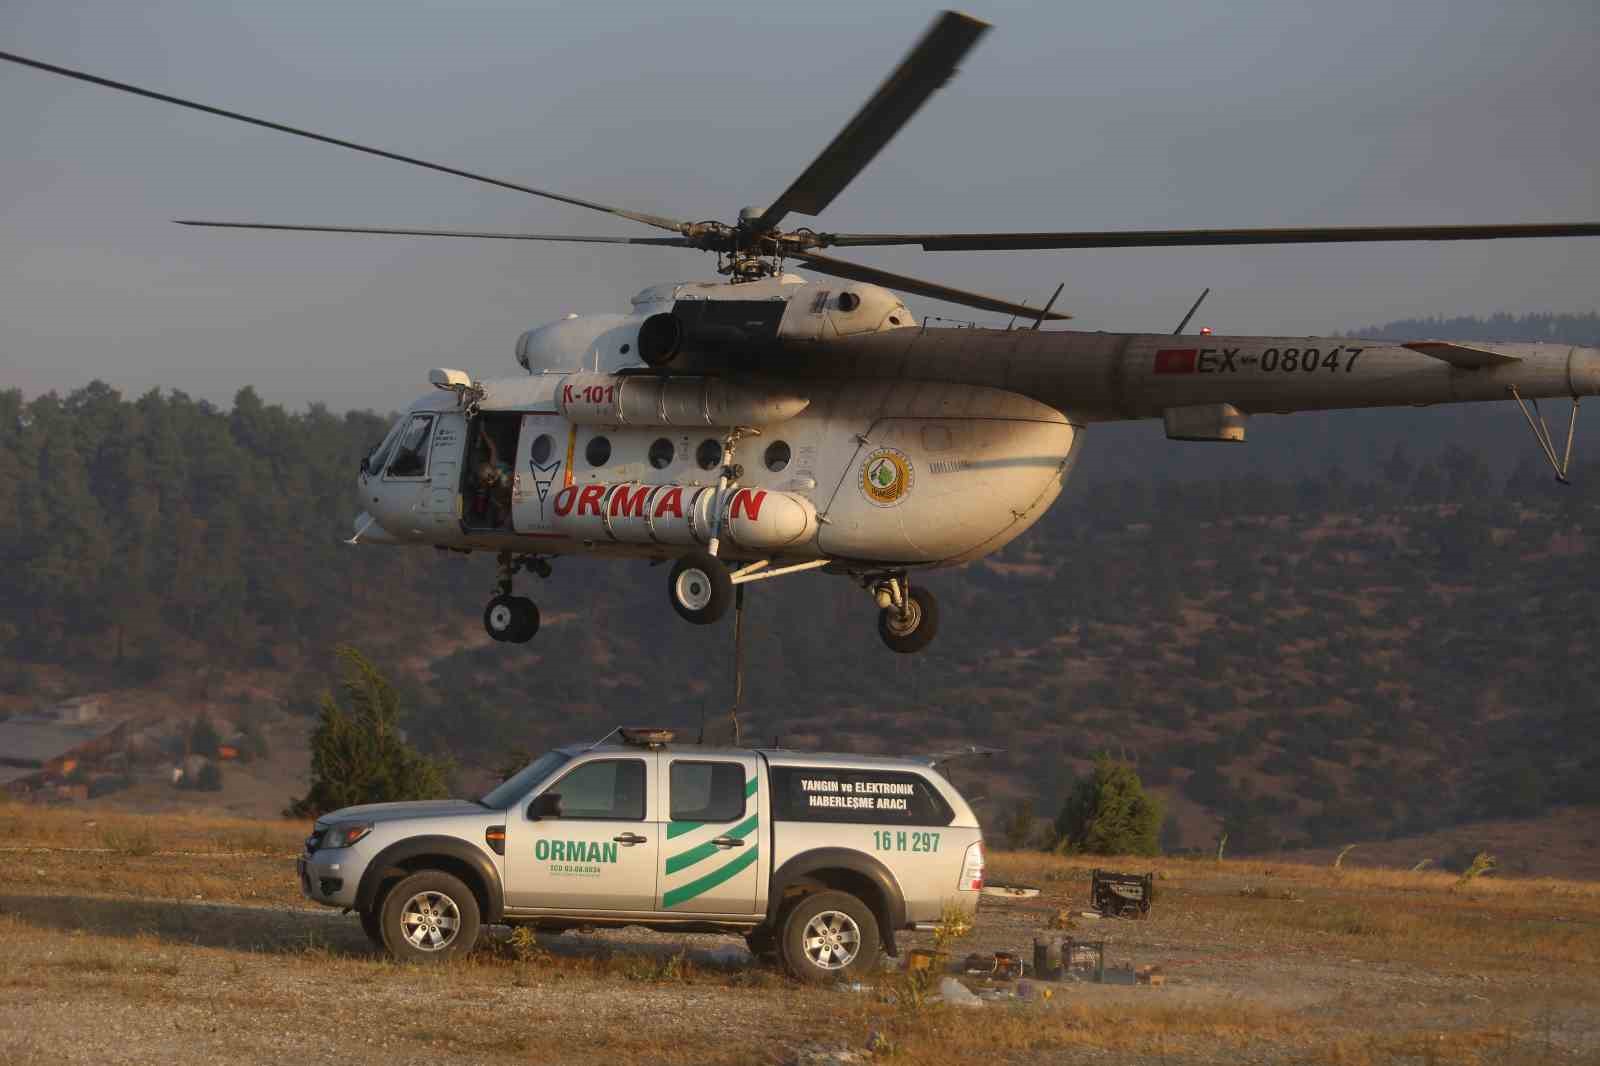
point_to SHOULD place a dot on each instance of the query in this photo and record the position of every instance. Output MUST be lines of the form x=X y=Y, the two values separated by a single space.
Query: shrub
x=357 y=752
x=1108 y=813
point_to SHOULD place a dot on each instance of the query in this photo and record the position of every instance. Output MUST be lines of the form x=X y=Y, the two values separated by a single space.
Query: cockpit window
x=411 y=455
x=380 y=454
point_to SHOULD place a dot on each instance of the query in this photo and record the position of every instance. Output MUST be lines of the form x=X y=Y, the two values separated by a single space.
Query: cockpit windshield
x=519 y=784
x=380 y=454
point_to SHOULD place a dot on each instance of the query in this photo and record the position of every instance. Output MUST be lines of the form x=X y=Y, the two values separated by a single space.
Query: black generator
x=1122 y=895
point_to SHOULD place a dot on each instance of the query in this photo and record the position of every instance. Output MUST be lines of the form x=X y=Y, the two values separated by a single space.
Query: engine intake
x=660 y=339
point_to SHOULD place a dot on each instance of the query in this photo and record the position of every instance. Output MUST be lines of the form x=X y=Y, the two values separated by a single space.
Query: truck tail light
x=972 y=869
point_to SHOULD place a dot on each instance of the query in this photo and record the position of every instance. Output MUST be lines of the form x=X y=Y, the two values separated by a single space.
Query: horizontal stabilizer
x=1462 y=355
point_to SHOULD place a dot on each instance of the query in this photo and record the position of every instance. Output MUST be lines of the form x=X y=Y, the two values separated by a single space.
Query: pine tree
x=1108 y=813
x=358 y=754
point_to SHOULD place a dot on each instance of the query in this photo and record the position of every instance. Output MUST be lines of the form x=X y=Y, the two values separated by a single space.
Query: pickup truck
x=817 y=860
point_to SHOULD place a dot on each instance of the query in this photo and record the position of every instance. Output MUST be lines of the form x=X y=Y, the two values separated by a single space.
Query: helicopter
x=770 y=424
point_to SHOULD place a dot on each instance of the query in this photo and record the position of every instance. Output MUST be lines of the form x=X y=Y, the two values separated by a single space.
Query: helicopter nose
x=367 y=530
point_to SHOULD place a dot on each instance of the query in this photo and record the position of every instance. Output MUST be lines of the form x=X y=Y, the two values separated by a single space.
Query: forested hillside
x=1355 y=642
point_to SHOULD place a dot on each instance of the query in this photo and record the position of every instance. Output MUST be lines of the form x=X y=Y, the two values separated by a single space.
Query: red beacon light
x=1205 y=331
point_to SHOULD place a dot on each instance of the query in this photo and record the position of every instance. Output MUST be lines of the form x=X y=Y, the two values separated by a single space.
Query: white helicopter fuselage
x=869 y=473
x=856 y=435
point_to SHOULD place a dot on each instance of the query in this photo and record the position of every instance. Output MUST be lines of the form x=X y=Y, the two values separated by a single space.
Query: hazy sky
x=1072 y=116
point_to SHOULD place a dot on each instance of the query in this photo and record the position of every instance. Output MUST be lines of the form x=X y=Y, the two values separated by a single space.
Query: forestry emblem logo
x=886 y=477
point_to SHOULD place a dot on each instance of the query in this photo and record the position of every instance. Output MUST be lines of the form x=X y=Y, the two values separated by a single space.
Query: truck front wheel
x=428 y=917
x=830 y=936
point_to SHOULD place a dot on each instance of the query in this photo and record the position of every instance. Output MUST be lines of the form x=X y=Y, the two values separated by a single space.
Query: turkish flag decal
x=1176 y=360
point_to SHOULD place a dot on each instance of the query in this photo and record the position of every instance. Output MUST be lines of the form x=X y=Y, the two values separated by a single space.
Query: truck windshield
x=519 y=784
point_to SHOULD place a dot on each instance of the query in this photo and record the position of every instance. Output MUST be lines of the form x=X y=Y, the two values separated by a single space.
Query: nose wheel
x=908 y=618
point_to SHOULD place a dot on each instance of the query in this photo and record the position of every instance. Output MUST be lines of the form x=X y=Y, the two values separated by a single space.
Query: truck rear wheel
x=429 y=917
x=830 y=936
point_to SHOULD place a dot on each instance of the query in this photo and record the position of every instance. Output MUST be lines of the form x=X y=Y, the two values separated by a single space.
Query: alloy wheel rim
x=500 y=617
x=430 y=921
x=694 y=589
x=831 y=940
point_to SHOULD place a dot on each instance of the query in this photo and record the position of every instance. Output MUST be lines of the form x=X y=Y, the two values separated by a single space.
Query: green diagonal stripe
x=685 y=859
x=709 y=881
x=750 y=787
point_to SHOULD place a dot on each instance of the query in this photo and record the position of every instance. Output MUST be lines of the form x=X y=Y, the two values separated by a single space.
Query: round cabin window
x=542 y=447
x=598 y=451
x=661 y=453
x=709 y=454
x=777 y=456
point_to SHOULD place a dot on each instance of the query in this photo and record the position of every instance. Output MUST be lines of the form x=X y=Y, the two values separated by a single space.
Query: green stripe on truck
x=710 y=880
x=685 y=859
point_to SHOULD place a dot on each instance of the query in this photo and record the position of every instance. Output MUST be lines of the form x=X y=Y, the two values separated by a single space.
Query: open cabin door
x=544 y=467
x=442 y=502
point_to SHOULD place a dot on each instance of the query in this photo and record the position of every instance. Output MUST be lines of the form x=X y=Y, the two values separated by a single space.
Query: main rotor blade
x=1169 y=238
x=658 y=221
x=670 y=242
x=929 y=65
x=856 y=272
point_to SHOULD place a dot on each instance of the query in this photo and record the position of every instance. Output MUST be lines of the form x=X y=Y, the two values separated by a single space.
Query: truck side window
x=822 y=794
x=707 y=791
x=610 y=789
x=411 y=456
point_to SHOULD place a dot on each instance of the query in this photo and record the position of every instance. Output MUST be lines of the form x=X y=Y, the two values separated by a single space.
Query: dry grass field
x=182 y=938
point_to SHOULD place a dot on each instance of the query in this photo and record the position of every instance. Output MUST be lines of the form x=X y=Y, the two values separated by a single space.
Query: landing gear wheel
x=830 y=936
x=527 y=620
x=912 y=627
x=511 y=618
x=700 y=588
x=429 y=917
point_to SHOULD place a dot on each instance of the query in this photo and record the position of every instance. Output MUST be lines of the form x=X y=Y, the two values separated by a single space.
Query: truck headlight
x=343 y=834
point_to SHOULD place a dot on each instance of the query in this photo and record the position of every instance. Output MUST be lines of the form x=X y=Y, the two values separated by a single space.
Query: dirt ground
x=183 y=939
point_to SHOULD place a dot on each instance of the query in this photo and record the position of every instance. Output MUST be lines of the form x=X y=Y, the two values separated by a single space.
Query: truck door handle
x=629 y=839
x=729 y=842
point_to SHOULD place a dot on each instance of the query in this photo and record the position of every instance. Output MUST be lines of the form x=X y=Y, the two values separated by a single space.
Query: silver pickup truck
x=817 y=860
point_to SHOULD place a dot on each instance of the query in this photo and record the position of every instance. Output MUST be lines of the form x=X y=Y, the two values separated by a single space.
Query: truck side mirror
x=547 y=805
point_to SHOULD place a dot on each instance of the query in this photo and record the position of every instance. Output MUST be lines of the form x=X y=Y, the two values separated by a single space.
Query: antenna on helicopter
x=1052 y=302
x=1192 y=310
